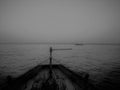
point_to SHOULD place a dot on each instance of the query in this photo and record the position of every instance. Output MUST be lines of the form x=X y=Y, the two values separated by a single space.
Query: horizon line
x=84 y=43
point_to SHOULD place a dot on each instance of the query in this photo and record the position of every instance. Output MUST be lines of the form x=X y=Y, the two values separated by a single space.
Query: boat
x=79 y=44
x=50 y=77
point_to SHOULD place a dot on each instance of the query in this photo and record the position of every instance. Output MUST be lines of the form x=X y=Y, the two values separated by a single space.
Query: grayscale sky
x=60 y=21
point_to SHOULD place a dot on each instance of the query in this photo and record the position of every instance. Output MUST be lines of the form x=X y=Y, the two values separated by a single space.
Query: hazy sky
x=59 y=20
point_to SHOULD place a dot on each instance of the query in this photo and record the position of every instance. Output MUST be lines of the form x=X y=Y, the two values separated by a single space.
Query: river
x=97 y=60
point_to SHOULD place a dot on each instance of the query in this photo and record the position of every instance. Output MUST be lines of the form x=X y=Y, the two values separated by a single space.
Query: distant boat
x=79 y=44
x=50 y=77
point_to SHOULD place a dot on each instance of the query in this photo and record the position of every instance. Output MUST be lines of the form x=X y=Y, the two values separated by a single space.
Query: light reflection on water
x=98 y=60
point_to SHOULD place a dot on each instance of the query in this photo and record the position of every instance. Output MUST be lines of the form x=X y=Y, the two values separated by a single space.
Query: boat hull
x=42 y=77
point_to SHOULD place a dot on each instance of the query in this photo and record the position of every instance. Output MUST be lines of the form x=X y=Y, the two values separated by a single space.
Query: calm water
x=98 y=60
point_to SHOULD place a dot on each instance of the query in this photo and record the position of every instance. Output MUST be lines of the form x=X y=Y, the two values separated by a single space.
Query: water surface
x=97 y=60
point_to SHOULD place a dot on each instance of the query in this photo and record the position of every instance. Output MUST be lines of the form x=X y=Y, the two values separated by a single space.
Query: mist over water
x=97 y=60
x=60 y=21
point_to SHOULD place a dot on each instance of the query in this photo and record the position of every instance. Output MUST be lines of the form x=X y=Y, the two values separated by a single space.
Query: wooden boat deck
x=40 y=73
